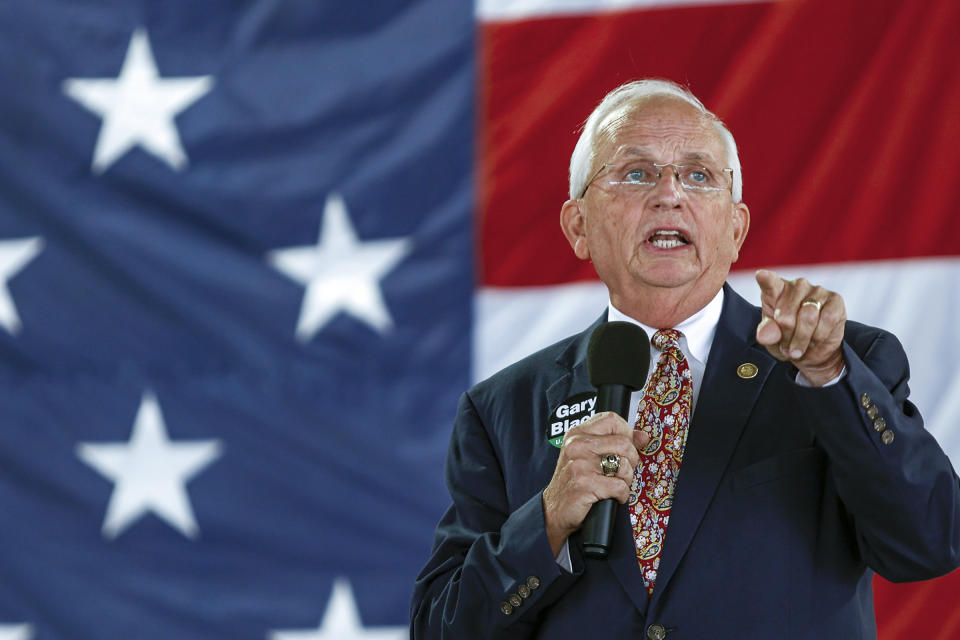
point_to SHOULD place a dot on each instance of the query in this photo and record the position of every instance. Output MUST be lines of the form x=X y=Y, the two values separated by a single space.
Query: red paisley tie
x=664 y=414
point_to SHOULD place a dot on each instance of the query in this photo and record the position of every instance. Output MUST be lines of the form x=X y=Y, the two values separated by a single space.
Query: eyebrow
x=644 y=152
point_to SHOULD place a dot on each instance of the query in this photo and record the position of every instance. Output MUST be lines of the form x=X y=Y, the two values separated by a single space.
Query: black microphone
x=617 y=358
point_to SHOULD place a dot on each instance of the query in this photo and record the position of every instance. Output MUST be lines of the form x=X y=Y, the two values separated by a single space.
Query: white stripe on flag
x=493 y=10
x=918 y=300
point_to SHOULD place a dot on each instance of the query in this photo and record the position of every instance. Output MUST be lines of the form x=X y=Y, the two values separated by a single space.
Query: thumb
x=768 y=331
x=640 y=439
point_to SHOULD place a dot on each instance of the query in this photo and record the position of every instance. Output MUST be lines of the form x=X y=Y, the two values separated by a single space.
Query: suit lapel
x=723 y=407
x=572 y=362
x=623 y=560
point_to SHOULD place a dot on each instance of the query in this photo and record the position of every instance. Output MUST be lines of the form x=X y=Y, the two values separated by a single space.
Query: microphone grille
x=618 y=353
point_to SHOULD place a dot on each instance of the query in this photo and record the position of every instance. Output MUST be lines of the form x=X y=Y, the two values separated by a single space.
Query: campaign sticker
x=570 y=413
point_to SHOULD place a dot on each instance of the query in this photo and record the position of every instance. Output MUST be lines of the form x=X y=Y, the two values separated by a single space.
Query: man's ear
x=574 y=224
x=741 y=224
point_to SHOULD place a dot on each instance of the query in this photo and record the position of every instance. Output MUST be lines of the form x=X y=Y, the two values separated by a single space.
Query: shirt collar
x=698 y=329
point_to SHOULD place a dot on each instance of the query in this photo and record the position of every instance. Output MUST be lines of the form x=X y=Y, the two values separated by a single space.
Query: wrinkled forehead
x=663 y=128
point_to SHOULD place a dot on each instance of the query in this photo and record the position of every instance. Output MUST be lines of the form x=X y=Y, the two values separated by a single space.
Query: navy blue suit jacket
x=787 y=501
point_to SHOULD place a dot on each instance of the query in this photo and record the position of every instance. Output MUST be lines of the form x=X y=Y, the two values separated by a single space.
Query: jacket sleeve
x=491 y=571
x=898 y=486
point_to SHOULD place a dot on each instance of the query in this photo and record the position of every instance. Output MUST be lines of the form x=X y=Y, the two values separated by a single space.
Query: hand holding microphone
x=580 y=494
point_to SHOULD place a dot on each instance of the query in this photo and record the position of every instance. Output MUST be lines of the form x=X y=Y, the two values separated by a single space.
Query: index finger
x=604 y=423
x=771 y=286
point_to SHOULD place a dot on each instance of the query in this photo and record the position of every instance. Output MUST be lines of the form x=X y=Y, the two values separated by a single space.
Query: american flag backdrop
x=251 y=254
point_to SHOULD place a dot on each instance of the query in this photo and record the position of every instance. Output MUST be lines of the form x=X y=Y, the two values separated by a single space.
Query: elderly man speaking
x=771 y=463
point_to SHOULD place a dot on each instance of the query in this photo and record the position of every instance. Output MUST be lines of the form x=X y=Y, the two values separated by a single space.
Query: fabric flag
x=847 y=116
x=236 y=272
x=251 y=254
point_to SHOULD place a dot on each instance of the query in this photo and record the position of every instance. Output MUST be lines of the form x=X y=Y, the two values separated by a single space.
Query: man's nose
x=668 y=188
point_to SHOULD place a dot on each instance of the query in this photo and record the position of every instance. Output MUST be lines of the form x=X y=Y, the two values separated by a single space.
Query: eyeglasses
x=643 y=175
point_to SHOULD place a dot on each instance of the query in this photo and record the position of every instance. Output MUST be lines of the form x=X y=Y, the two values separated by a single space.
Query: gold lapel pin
x=747 y=370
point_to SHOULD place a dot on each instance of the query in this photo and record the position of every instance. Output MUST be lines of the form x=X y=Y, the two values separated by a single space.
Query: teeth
x=667 y=243
x=667 y=239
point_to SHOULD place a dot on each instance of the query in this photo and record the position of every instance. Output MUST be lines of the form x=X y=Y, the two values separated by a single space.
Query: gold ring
x=816 y=303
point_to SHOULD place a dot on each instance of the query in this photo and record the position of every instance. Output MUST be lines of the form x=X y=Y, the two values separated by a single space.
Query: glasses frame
x=660 y=166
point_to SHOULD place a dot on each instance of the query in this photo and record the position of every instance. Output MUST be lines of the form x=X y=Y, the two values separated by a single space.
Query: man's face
x=664 y=237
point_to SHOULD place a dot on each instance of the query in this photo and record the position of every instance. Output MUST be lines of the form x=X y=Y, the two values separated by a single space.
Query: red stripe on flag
x=918 y=609
x=847 y=122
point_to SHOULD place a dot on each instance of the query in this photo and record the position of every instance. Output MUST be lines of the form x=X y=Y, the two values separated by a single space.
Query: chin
x=667 y=276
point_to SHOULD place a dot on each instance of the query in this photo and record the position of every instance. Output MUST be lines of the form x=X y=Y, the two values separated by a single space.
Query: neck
x=661 y=308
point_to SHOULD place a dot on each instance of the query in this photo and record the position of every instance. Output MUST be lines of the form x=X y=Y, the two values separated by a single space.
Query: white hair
x=623 y=97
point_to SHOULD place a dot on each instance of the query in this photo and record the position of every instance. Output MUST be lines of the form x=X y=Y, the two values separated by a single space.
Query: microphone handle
x=597 y=529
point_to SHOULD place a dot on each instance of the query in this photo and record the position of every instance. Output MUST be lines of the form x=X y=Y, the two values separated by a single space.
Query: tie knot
x=666 y=339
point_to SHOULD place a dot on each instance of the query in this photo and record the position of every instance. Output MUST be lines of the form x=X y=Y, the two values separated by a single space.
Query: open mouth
x=667 y=239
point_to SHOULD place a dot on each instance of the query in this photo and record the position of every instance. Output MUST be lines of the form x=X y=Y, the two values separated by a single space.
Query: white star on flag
x=150 y=472
x=341 y=621
x=138 y=107
x=16 y=632
x=340 y=272
x=14 y=256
